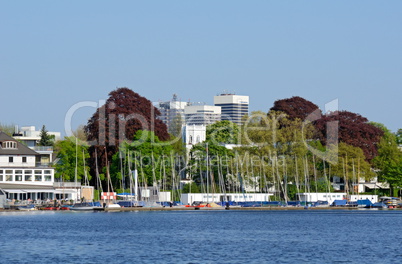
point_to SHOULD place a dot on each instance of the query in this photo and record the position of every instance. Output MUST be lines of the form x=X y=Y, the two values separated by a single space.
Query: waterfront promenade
x=179 y=208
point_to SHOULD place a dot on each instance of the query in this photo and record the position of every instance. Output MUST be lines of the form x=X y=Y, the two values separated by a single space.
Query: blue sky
x=55 y=54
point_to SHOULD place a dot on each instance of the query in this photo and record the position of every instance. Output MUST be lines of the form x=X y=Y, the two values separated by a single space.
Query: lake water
x=307 y=236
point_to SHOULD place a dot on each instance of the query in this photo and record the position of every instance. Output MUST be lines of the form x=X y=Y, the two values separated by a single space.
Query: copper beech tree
x=353 y=129
x=124 y=113
x=295 y=107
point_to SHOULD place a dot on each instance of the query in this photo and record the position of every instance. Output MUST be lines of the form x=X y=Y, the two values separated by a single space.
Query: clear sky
x=55 y=54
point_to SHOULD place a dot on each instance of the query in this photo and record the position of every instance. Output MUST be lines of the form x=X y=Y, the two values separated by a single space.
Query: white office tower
x=172 y=113
x=202 y=114
x=234 y=107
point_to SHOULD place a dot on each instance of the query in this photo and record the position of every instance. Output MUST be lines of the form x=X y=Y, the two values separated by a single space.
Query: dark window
x=24 y=159
x=10 y=159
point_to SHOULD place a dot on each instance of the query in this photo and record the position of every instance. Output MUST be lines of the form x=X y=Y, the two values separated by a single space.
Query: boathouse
x=189 y=198
x=315 y=197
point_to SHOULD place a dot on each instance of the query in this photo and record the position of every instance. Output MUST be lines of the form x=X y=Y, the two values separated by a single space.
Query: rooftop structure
x=30 y=137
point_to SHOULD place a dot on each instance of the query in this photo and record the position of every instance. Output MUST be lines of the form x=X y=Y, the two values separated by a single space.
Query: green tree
x=175 y=127
x=71 y=158
x=389 y=159
x=279 y=144
x=80 y=133
x=124 y=113
x=225 y=132
x=191 y=188
x=153 y=159
x=352 y=165
x=399 y=136
x=259 y=132
x=178 y=146
x=45 y=138
x=216 y=157
x=9 y=129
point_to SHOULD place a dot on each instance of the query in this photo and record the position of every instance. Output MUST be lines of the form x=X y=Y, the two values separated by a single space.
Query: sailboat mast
x=98 y=181
x=136 y=184
x=76 y=168
x=207 y=176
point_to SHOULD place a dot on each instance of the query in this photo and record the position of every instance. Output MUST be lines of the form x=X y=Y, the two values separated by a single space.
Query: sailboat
x=84 y=206
x=110 y=205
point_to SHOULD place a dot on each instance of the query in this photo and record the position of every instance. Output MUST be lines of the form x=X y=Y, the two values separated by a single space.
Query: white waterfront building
x=24 y=177
x=315 y=197
x=189 y=198
x=355 y=197
x=30 y=137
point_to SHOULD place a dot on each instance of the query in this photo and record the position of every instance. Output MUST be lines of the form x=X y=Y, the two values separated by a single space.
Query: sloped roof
x=20 y=150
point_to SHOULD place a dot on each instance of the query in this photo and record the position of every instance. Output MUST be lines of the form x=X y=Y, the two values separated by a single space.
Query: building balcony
x=42 y=148
x=43 y=164
x=67 y=184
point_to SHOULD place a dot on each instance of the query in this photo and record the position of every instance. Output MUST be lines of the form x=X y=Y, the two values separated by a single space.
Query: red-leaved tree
x=353 y=129
x=124 y=113
x=295 y=107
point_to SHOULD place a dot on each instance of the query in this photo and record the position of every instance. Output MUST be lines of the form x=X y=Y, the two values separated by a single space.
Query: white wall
x=17 y=161
x=372 y=198
x=314 y=197
x=197 y=134
x=31 y=176
x=164 y=197
x=189 y=198
x=231 y=99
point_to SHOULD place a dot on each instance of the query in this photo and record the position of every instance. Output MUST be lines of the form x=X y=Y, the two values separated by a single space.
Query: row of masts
x=235 y=179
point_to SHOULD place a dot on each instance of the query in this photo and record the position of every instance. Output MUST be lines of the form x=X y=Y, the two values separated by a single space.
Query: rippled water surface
x=202 y=237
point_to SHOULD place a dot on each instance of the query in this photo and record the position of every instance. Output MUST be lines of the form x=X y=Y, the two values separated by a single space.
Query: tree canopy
x=295 y=107
x=147 y=154
x=225 y=132
x=71 y=157
x=399 y=136
x=389 y=159
x=353 y=129
x=124 y=113
x=9 y=129
x=45 y=138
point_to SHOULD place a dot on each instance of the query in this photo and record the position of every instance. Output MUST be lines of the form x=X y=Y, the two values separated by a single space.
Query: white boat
x=29 y=207
x=112 y=206
x=85 y=207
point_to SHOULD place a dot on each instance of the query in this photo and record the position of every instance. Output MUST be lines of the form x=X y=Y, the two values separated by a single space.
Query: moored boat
x=50 y=208
x=86 y=206
x=112 y=206
x=28 y=207
x=378 y=205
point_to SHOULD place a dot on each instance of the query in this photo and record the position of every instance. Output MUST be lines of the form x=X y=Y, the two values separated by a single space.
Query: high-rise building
x=172 y=113
x=234 y=107
x=202 y=114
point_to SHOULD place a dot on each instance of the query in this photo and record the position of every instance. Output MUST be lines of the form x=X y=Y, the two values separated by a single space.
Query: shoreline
x=129 y=209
